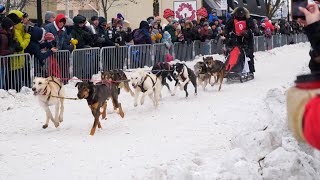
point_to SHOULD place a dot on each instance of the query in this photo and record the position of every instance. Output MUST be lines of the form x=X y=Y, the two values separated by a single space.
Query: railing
x=18 y=70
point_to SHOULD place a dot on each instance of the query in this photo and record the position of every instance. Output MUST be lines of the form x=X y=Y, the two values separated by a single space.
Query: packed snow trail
x=190 y=138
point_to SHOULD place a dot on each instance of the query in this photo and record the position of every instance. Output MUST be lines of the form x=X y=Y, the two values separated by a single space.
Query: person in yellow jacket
x=17 y=64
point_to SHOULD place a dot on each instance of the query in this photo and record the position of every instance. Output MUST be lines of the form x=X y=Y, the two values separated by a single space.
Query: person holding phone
x=303 y=100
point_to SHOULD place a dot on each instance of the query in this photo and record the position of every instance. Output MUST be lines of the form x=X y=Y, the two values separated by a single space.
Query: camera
x=295 y=4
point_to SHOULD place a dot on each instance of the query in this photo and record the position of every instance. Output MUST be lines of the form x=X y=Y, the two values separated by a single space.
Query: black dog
x=184 y=74
x=96 y=96
x=164 y=70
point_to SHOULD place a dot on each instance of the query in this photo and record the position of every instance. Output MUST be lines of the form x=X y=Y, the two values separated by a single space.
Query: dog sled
x=237 y=67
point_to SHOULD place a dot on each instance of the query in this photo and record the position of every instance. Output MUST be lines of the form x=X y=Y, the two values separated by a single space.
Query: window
x=88 y=13
x=64 y=12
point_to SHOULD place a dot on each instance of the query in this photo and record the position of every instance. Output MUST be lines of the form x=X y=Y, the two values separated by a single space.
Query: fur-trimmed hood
x=247 y=13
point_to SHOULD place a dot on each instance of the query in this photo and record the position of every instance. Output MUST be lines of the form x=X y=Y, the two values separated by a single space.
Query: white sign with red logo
x=185 y=10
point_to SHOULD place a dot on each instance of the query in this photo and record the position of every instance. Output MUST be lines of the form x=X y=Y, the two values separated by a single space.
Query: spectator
x=188 y=33
x=268 y=28
x=214 y=30
x=102 y=34
x=179 y=35
x=18 y=66
x=94 y=24
x=182 y=23
x=150 y=19
x=168 y=14
x=171 y=28
x=256 y=29
x=158 y=20
x=7 y=46
x=57 y=28
x=49 y=17
x=205 y=32
x=155 y=34
x=7 y=43
x=39 y=37
x=2 y=12
x=142 y=35
x=81 y=33
x=213 y=16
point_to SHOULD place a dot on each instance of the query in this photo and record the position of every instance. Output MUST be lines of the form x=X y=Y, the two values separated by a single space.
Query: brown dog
x=96 y=96
x=216 y=69
x=120 y=79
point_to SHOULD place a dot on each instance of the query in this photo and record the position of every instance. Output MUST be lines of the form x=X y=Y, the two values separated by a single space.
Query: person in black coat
x=38 y=42
x=188 y=33
x=239 y=32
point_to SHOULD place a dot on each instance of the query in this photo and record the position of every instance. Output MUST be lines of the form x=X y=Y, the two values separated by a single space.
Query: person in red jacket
x=269 y=28
x=303 y=100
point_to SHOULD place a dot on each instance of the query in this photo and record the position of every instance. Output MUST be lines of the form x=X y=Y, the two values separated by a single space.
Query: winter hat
x=79 y=20
x=144 y=25
x=205 y=24
x=119 y=16
x=60 y=18
x=168 y=13
x=7 y=23
x=37 y=34
x=2 y=8
x=150 y=19
x=174 y=21
x=14 y=18
x=49 y=15
x=93 y=18
x=202 y=12
x=49 y=36
x=102 y=21
x=182 y=21
x=69 y=22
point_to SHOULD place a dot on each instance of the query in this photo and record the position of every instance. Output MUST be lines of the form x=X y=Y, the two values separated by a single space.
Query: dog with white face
x=183 y=75
x=148 y=84
x=47 y=90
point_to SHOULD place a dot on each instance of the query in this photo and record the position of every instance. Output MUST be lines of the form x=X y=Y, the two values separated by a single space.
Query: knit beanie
x=49 y=36
x=14 y=18
x=7 y=23
x=49 y=15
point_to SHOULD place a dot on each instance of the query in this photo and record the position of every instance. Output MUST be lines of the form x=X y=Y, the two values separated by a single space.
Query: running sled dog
x=48 y=90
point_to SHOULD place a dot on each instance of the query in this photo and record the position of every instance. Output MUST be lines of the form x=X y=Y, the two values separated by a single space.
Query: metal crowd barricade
x=15 y=71
x=183 y=51
x=140 y=56
x=283 y=39
x=276 y=40
x=255 y=42
x=56 y=65
x=85 y=62
x=160 y=52
x=261 y=43
x=114 y=58
x=196 y=48
x=217 y=47
x=268 y=43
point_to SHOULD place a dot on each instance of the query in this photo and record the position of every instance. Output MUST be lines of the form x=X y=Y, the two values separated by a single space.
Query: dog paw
x=45 y=126
x=135 y=104
x=212 y=84
x=56 y=124
x=60 y=119
x=173 y=94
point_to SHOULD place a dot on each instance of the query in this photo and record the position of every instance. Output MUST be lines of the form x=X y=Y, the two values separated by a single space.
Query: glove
x=116 y=45
x=296 y=106
x=74 y=42
x=153 y=38
x=159 y=36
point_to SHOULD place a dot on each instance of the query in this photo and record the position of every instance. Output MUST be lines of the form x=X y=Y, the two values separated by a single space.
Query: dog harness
x=141 y=85
x=45 y=89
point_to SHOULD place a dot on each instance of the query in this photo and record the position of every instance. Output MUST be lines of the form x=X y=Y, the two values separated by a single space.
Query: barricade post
x=15 y=71
x=85 y=62
x=160 y=52
x=140 y=56
x=113 y=58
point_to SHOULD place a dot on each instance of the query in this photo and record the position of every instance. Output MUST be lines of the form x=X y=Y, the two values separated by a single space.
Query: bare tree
x=107 y=4
x=272 y=6
x=15 y=4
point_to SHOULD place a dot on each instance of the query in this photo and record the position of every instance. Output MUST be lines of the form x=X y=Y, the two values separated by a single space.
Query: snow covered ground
x=238 y=133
